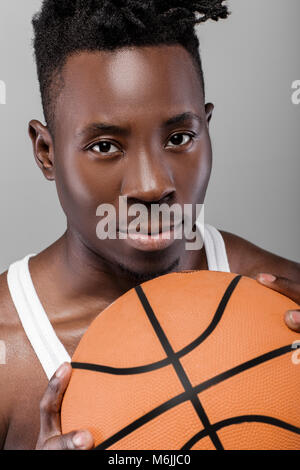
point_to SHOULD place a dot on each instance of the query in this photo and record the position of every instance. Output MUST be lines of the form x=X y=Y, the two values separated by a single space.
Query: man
x=123 y=97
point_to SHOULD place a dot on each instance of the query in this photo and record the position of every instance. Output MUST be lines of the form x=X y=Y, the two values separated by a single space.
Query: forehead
x=135 y=81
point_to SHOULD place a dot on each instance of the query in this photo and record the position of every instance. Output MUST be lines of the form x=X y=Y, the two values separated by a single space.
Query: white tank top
x=48 y=348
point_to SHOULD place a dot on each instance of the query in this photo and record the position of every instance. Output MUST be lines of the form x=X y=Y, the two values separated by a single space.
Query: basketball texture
x=190 y=360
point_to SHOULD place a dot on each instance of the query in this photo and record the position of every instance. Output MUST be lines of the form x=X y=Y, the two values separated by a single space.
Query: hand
x=50 y=437
x=288 y=288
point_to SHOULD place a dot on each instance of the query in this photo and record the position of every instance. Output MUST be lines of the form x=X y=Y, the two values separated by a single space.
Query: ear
x=42 y=143
x=209 y=107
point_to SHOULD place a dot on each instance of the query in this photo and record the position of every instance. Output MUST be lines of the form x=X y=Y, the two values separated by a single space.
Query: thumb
x=292 y=319
x=76 y=440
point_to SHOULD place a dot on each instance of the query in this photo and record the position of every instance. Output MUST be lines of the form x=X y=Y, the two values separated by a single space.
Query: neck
x=72 y=272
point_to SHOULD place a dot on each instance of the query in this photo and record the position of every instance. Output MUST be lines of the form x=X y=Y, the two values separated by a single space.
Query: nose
x=148 y=179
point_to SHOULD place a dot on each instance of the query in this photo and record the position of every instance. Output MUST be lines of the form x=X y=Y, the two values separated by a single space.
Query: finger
x=51 y=402
x=292 y=319
x=76 y=440
x=282 y=285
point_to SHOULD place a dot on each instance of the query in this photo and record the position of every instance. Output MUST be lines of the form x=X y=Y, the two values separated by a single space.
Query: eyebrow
x=114 y=129
x=181 y=118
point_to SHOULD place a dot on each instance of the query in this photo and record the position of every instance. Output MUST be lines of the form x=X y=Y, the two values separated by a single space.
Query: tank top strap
x=215 y=249
x=48 y=348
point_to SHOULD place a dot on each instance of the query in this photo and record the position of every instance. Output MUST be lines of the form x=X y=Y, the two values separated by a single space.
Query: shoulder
x=18 y=348
x=8 y=329
x=248 y=259
x=17 y=361
x=10 y=325
x=9 y=322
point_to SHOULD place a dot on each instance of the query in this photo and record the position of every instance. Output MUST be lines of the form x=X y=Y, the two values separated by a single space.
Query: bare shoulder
x=7 y=332
x=17 y=364
x=10 y=325
x=246 y=258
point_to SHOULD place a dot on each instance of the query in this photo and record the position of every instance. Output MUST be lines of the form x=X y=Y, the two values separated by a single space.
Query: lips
x=145 y=241
x=146 y=231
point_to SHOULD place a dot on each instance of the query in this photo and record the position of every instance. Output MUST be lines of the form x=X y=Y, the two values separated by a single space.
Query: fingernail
x=263 y=277
x=80 y=439
x=61 y=370
x=295 y=317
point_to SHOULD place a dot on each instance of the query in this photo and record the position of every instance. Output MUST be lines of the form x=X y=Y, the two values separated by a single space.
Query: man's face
x=143 y=157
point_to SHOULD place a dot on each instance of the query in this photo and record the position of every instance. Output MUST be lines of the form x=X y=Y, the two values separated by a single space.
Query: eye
x=180 y=139
x=105 y=147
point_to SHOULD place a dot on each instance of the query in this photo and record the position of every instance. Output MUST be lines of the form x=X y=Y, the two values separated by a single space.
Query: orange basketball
x=190 y=360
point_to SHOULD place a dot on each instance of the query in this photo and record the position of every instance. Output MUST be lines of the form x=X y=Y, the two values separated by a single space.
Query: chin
x=147 y=275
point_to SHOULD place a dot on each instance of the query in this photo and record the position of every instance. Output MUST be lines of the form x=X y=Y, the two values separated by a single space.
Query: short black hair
x=66 y=27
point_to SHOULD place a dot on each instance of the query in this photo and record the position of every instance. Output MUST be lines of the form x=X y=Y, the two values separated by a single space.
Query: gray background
x=250 y=61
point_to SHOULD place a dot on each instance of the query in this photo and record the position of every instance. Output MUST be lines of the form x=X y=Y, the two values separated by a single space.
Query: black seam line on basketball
x=142 y=420
x=242 y=367
x=166 y=361
x=239 y=420
x=121 y=371
x=216 y=318
x=181 y=398
x=178 y=368
x=136 y=370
